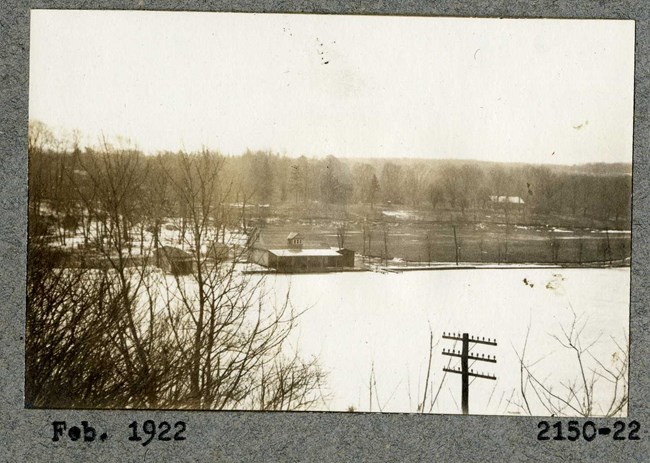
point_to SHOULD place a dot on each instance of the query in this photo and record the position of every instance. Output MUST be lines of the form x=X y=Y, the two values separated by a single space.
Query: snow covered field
x=372 y=328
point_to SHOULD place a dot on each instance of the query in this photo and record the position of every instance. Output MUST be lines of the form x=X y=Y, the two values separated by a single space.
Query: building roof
x=174 y=253
x=507 y=199
x=293 y=235
x=304 y=252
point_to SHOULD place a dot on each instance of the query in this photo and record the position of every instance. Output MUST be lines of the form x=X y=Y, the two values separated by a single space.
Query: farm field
x=483 y=237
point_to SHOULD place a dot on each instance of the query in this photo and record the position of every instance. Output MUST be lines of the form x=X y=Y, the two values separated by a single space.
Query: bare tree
x=108 y=328
x=385 y=233
x=576 y=396
x=391 y=182
x=86 y=346
x=341 y=234
x=233 y=340
x=436 y=195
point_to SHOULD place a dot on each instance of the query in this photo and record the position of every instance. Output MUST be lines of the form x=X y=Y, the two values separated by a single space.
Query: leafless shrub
x=577 y=395
x=124 y=334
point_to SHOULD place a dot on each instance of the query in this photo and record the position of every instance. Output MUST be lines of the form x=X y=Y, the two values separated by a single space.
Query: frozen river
x=371 y=332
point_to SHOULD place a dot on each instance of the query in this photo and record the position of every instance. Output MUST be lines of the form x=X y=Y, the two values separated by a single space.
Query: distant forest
x=58 y=170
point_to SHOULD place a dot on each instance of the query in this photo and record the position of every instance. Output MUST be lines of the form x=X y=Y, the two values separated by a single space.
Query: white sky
x=488 y=89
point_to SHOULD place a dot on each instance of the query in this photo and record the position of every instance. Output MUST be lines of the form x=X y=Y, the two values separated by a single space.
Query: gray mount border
x=25 y=435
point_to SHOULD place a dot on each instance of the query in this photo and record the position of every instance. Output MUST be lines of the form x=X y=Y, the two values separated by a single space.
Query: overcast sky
x=542 y=91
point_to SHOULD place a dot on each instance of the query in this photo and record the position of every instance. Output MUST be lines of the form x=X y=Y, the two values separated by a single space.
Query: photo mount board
x=300 y=436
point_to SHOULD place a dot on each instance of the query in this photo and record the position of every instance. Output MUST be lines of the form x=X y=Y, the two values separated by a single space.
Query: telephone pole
x=456 y=245
x=465 y=357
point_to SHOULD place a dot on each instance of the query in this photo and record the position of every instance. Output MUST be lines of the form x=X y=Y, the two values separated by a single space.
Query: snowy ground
x=170 y=235
x=370 y=327
x=364 y=322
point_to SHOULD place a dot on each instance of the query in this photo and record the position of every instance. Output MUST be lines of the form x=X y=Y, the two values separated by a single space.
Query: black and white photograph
x=333 y=213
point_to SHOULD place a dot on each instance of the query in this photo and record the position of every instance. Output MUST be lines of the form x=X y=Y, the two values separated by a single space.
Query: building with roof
x=294 y=240
x=506 y=200
x=175 y=260
x=296 y=259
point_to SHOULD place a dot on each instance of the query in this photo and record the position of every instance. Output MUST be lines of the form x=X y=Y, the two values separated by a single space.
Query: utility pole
x=465 y=357
x=456 y=246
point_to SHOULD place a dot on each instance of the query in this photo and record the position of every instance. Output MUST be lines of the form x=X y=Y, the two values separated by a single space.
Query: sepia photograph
x=336 y=213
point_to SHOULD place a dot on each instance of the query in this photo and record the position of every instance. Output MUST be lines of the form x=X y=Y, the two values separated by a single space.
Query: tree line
x=596 y=191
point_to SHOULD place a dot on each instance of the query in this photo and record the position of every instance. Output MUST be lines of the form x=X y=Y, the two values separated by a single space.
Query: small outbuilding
x=294 y=240
x=175 y=260
x=348 y=257
x=218 y=251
